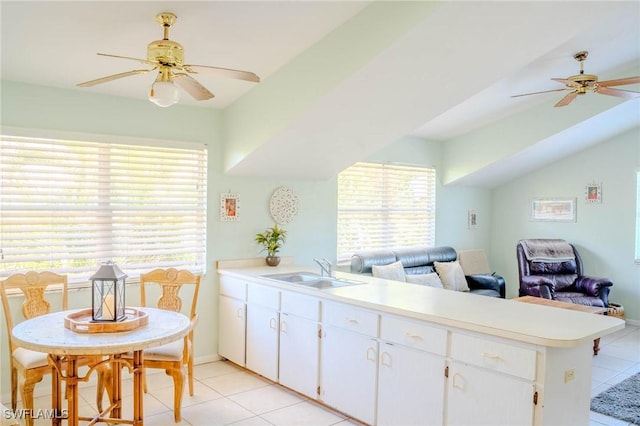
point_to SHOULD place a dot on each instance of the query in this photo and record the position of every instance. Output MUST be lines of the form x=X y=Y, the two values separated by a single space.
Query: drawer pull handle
x=272 y=323
x=351 y=321
x=371 y=354
x=413 y=336
x=283 y=327
x=385 y=359
x=458 y=382
x=491 y=356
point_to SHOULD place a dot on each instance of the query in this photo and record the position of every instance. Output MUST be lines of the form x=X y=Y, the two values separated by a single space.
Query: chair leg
x=27 y=397
x=14 y=388
x=178 y=379
x=190 y=375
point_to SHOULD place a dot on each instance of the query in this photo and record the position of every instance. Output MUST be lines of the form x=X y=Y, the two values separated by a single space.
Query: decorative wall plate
x=283 y=205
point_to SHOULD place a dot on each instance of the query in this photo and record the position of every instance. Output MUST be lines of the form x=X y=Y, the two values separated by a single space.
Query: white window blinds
x=67 y=206
x=385 y=206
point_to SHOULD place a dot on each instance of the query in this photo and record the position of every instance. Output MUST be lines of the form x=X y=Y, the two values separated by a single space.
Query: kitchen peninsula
x=387 y=352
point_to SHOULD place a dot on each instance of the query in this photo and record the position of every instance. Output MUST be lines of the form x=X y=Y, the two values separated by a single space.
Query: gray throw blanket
x=547 y=250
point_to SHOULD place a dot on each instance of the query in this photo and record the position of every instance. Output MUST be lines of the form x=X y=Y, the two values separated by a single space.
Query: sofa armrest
x=538 y=286
x=486 y=281
x=594 y=286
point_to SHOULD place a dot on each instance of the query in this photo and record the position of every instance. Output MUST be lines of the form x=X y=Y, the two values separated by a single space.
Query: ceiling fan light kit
x=167 y=57
x=582 y=83
x=164 y=93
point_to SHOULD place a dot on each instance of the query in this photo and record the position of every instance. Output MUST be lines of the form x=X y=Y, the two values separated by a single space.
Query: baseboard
x=206 y=358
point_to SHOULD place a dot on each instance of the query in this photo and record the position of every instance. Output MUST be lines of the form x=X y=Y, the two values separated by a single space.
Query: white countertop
x=535 y=324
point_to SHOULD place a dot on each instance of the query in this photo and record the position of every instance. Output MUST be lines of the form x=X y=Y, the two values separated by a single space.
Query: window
x=68 y=205
x=638 y=216
x=385 y=206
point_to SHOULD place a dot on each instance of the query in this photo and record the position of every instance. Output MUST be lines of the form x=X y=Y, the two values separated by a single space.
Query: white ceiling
x=54 y=44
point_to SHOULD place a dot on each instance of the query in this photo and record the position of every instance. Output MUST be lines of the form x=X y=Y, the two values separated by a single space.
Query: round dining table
x=49 y=334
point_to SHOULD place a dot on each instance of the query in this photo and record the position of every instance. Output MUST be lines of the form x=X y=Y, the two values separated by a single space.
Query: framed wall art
x=593 y=193
x=553 y=209
x=229 y=207
x=472 y=219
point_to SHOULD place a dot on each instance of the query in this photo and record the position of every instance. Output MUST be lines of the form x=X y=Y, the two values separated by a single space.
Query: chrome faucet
x=325 y=266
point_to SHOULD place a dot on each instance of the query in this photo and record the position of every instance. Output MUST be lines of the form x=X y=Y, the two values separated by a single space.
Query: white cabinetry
x=263 y=304
x=232 y=319
x=411 y=372
x=490 y=381
x=299 y=343
x=349 y=358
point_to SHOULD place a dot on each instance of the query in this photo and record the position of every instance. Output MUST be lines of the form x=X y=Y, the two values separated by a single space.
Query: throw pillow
x=451 y=275
x=393 y=271
x=431 y=280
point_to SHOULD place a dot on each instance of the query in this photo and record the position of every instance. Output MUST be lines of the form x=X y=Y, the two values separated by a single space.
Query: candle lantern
x=107 y=293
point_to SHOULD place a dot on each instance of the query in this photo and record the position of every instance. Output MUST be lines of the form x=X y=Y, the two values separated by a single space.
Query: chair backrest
x=34 y=286
x=563 y=273
x=171 y=281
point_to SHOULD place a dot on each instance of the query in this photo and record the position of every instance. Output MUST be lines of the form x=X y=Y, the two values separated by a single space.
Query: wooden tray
x=81 y=322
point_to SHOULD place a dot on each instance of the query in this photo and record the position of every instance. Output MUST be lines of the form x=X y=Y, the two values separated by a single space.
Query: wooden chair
x=32 y=365
x=173 y=356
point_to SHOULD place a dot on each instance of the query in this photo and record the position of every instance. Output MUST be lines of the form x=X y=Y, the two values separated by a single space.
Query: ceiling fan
x=582 y=83
x=167 y=57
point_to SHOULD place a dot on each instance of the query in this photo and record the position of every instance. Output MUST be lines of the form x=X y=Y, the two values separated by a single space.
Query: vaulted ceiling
x=342 y=80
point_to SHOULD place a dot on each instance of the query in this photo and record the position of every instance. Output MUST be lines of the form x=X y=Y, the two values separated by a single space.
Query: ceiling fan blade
x=627 y=94
x=619 y=82
x=222 y=72
x=567 y=99
x=537 y=93
x=144 y=61
x=112 y=77
x=192 y=87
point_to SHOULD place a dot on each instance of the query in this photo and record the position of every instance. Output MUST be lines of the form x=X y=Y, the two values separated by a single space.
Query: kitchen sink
x=309 y=279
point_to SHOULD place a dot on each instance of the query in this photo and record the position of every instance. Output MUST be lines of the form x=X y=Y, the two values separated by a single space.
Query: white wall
x=603 y=233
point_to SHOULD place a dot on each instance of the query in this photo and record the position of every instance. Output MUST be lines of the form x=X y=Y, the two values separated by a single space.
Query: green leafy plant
x=272 y=239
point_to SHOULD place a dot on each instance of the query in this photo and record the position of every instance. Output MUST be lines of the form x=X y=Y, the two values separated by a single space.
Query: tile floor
x=228 y=395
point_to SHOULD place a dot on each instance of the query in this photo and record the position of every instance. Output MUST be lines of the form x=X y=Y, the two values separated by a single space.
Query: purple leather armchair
x=560 y=280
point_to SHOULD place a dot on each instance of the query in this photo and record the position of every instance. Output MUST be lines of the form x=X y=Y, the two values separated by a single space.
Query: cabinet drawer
x=493 y=355
x=414 y=334
x=350 y=318
x=264 y=296
x=300 y=305
x=233 y=287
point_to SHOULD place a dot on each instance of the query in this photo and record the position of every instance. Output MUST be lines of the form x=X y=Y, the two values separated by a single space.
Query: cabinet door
x=299 y=354
x=411 y=386
x=231 y=331
x=262 y=341
x=349 y=371
x=479 y=396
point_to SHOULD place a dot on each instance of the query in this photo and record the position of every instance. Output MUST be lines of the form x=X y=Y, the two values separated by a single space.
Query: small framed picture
x=229 y=207
x=593 y=193
x=472 y=219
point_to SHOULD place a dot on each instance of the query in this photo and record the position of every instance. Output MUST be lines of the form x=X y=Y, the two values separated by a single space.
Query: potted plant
x=272 y=239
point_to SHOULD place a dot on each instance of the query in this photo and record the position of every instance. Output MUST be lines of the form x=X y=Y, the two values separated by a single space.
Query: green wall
x=603 y=233
x=311 y=234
